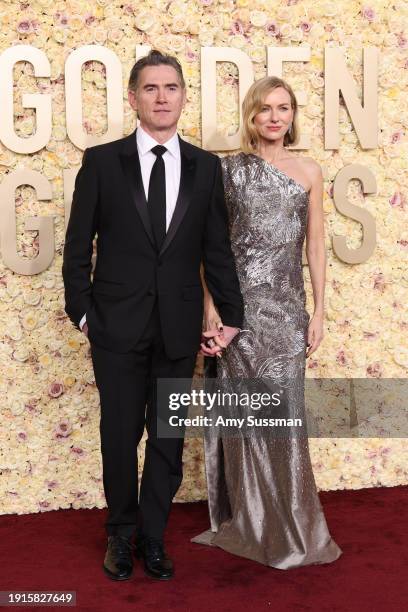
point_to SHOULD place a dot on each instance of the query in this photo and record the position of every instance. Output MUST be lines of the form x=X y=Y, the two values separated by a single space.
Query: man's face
x=159 y=98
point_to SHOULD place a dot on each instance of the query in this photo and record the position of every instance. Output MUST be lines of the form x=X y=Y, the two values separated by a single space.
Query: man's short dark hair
x=154 y=58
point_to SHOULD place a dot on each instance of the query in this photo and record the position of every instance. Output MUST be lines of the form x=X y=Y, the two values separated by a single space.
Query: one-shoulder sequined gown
x=262 y=495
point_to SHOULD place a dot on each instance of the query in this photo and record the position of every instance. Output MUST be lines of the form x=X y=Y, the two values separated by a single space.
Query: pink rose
x=63 y=429
x=89 y=19
x=368 y=13
x=87 y=126
x=272 y=28
x=56 y=389
x=379 y=282
x=397 y=200
x=374 y=370
x=191 y=56
x=396 y=137
x=237 y=27
x=341 y=358
x=25 y=27
x=77 y=450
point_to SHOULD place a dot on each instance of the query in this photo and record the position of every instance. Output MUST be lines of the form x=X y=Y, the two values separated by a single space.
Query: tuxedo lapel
x=188 y=166
x=129 y=158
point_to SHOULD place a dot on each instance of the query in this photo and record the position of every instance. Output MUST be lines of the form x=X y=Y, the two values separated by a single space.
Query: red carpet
x=64 y=550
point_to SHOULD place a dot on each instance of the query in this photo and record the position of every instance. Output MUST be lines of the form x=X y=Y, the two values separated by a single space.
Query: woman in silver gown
x=262 y=496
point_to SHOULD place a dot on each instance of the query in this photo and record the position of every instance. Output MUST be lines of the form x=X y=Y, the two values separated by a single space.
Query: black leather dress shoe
x=118 y=564
x=156 y=562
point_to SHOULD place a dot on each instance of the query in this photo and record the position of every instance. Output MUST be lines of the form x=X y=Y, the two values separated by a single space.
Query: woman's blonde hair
x=252 y=105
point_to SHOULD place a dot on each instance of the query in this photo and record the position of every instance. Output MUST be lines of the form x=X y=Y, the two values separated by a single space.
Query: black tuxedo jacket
x=109 y=201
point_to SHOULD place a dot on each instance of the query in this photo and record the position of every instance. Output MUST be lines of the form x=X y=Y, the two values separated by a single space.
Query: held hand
x=216 y=341
x=85 y=329
x=212 y=320
x=212 y=327
x=210 y=343
x=228 y=335
x=314 y=334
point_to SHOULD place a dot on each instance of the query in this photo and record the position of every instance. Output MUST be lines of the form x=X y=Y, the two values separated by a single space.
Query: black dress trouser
x=126 y=385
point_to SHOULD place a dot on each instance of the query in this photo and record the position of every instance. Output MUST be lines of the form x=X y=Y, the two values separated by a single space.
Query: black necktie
x=157 y=196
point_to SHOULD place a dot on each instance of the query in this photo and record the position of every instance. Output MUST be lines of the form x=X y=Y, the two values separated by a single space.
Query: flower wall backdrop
x=49 y=427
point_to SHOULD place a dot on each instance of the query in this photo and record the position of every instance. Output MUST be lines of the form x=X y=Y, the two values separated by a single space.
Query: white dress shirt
x=172 y=164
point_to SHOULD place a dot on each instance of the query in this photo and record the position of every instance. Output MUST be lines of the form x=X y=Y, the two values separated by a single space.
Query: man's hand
x=215 y=340
x=85 y=329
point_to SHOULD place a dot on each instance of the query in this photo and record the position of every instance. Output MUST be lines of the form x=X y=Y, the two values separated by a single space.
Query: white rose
x=60 y=34
x=176 y=43
x=21 y=354
x=238 y=40
x=99 y=35
x=400 y=356
x=29 y=320
x=17 y=406
x=258 y=18
x=179 y=24
x=286 y=30
x=115 y=35
x=13 y=288
x=15 y=332
x=32 y=297
x=144 y=21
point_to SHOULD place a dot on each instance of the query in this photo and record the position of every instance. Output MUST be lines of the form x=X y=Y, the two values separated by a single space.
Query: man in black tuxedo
x=156 y=204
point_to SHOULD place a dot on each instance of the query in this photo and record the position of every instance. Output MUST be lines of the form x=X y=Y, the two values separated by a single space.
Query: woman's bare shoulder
x=309 y=165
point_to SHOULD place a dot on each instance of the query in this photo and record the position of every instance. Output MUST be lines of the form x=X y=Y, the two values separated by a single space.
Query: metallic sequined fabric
x=262 y=495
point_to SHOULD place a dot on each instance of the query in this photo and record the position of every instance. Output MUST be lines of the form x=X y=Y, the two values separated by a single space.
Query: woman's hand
x=315 y=333
x=212 y=328
x=212 y=320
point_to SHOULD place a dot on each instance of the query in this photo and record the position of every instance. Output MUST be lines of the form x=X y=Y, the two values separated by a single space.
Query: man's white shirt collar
x=145 y=143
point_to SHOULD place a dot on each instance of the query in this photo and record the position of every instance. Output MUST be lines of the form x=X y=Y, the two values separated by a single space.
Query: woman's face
x=274 y=119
